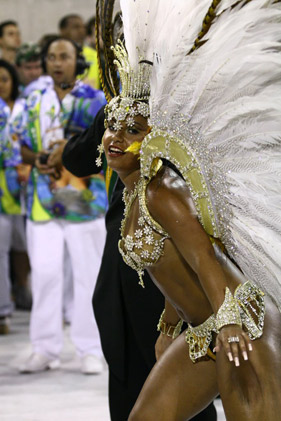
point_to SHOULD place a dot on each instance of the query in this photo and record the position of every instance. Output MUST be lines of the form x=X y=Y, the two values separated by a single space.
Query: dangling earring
x=101 y=151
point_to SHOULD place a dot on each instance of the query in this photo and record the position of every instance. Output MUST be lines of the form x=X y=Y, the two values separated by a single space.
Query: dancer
x=210 y=236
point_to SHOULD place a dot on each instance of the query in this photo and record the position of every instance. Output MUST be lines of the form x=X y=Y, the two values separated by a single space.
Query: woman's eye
x=111 y=127
x=132 y=130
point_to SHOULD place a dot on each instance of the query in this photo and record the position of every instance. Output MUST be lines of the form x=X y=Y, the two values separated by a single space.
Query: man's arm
x=28 y=156
x=80 y=152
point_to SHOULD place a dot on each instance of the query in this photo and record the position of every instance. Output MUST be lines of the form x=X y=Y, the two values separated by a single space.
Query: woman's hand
x=233 y=340
x=162 y=343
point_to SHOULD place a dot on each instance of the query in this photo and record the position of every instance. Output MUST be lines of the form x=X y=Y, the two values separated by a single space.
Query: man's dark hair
x=28 y=53
x=45 y=39
x=64 y=21
x=6 y=23
x=15 y=80
x=90 y=26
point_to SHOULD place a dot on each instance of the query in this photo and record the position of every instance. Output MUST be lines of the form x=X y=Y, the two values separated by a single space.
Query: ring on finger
x=232 y=339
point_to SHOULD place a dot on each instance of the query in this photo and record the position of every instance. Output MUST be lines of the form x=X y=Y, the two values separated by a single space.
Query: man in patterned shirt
x=62 y=210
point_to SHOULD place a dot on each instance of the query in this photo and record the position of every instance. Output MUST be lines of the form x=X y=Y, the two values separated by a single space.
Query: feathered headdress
x=215 y=109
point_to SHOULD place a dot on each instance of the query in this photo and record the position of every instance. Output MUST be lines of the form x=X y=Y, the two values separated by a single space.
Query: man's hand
x=23 y=171
x=162 y=343
x=55 y=158
x=45 y=168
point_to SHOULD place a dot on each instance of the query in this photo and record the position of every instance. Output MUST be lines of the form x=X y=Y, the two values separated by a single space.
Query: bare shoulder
x=169 y=199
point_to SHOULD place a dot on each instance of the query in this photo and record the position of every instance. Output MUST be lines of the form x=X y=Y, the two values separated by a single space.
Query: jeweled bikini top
x=145 y=245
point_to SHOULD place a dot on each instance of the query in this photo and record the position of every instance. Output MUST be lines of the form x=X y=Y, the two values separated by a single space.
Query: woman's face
x=117 y=141
x=6 y=84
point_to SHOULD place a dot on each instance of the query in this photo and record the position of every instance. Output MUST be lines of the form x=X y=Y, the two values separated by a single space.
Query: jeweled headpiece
x=134 y=96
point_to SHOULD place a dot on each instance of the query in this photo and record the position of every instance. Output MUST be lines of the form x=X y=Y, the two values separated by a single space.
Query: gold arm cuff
x=168 y=329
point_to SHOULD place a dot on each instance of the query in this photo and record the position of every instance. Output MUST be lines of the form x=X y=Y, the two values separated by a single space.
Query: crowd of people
x=52 y=223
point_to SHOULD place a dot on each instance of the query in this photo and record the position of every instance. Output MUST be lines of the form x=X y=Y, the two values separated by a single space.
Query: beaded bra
x=145 y=245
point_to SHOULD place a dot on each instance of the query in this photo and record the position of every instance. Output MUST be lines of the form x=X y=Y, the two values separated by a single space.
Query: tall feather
x=108 y=76
x=147 y=23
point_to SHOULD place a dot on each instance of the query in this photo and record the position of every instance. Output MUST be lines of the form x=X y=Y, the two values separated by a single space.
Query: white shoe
x=38 y=362
x=90 y=364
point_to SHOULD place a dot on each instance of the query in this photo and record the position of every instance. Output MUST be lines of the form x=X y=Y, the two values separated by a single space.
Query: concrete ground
x=62 y=395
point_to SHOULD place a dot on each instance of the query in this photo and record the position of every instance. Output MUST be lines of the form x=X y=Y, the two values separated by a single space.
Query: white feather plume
x=229 y=90
x=148 y=23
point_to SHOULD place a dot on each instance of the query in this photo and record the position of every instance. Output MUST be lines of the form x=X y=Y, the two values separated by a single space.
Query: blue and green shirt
x=10 y=158
x=48 y=120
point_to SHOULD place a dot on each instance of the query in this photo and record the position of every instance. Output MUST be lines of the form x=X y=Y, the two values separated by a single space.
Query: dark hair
x=64 y=21
x=90 y=26
x=45 y=39
x=4 y=24
x=15 y=80
x=81 y=64
x=28 y=53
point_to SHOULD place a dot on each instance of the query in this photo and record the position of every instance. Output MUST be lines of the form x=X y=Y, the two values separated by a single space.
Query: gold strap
x=167 y=328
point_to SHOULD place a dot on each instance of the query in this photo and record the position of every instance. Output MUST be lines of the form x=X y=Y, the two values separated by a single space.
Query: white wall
x=39 y=17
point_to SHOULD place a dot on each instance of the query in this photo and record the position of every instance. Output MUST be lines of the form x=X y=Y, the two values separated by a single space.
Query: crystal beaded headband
x=135 y=92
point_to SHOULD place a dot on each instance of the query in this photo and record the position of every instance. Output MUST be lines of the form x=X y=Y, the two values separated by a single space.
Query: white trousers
x=46 y=246
x=67 y=301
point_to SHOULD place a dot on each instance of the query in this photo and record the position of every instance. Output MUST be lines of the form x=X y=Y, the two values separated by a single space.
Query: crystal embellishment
x=132 y=247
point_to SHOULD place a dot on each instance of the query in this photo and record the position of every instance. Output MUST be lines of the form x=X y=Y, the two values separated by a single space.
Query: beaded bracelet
x=168 y=329
x=228 y=313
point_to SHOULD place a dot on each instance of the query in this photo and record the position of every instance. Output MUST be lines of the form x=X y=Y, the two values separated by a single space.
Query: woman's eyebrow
x=139 y=125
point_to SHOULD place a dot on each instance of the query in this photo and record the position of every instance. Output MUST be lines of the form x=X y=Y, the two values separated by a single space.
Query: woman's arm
x=179 y=218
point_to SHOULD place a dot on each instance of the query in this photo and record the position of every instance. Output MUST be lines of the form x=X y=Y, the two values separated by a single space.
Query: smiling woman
x=120 y=142
x=192 y=229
